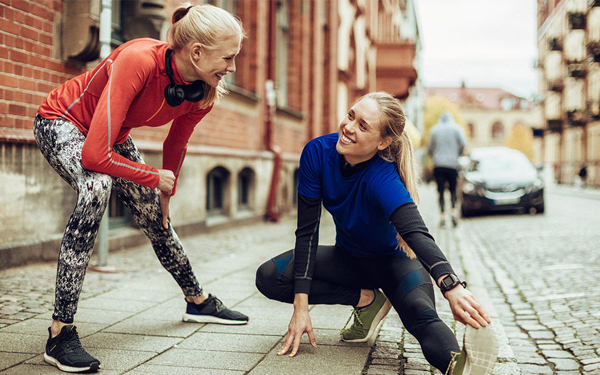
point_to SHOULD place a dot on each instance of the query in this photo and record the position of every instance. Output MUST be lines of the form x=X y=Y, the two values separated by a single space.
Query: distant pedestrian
x=583 y=175
x=83 y=127
x=447 y=142
x=364 y=175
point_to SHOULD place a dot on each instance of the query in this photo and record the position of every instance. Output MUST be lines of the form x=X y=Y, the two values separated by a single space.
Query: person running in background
x=383 y=254
x=82 y=128
x=447 y=142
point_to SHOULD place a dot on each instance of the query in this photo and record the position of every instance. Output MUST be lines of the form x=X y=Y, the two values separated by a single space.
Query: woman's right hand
x=166 y=181
x=299 y=324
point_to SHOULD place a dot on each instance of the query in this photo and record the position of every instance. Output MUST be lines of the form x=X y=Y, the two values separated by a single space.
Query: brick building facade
x=242 y=159
x=569 y=83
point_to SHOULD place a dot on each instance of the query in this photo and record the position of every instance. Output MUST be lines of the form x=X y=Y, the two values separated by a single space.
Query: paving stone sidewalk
x=131 y=320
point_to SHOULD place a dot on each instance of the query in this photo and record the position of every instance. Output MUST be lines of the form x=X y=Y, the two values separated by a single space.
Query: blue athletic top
x=361 y=204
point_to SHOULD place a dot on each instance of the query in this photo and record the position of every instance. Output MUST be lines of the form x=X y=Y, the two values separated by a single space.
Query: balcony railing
x=576 y=118
x=593 y=109
x=594 y=50
x=555 y=44
x=556 y=85
x=555 y=125
x=577 y=20
x=577 y=69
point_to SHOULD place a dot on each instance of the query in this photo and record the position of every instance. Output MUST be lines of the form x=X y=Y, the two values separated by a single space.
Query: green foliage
x=434 y=107
x=521 y=138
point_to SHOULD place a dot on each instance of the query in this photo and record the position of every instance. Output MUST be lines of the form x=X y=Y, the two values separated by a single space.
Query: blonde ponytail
x=400 y=151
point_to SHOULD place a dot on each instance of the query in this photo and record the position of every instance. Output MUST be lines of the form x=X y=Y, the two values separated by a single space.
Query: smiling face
x=359 y=135
x=211 y=65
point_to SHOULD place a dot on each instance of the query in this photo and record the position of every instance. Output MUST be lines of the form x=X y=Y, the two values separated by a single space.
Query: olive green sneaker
x=479 y=353
x=366 y=319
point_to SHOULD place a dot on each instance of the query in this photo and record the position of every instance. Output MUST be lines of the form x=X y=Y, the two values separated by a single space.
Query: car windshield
x=501 y=163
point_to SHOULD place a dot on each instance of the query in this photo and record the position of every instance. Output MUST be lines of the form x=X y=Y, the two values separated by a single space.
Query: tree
x=434 y=107
x=521 y=138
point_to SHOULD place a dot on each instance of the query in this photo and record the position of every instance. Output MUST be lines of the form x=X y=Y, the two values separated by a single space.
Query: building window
x=471 y=130
x=216 y=187
x=281 y=52
x=230 y=6
x=497 y=131
x=245 y=188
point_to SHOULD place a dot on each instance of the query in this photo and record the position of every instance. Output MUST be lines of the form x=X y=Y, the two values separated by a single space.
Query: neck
x=184 y=66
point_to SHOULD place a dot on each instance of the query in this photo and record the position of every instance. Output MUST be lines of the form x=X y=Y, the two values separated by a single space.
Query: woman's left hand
x=164 y=208
x=465 y=307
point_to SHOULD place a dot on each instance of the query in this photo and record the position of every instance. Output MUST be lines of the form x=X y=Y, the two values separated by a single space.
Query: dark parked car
x=499 y=179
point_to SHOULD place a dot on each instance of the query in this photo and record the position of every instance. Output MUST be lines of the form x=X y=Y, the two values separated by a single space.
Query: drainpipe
x=105 y=35
x=272 y=213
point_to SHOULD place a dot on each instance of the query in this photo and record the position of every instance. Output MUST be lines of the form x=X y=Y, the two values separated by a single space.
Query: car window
x=501 y=163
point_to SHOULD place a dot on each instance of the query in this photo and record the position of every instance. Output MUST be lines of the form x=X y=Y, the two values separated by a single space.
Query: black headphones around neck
x=176 y=94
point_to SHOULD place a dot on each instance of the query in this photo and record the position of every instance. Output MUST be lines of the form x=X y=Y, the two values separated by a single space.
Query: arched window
x=216 y=188
x=245 y=187
x=471 y=130
x=497 y=131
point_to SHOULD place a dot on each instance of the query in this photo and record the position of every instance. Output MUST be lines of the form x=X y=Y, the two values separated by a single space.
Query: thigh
x=332 y=265
x=440 y=178
x=60 y=141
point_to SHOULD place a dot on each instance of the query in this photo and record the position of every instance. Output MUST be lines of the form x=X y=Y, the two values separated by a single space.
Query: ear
x=385 y=142
x=196 y=50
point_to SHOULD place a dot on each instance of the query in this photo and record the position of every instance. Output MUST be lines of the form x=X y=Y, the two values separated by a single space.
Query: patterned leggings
x=60 y=141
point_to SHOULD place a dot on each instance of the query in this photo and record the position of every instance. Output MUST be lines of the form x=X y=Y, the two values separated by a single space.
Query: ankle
x=367 y=296
x=197 y=300
x=56 y=327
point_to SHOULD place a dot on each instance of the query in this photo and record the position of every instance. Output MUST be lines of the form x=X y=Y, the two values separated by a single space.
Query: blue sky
x=486 y=43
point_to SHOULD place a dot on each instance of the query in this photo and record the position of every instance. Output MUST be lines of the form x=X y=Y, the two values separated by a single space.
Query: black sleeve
x=307 y=239
x=409 y=224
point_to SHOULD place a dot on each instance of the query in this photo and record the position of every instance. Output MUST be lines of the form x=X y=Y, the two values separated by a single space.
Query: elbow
x=90 y=160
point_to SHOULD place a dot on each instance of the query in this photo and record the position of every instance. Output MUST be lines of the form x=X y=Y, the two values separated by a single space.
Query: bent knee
x=267 y=279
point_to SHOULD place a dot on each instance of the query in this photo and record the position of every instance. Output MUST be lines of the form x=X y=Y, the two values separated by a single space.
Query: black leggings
x=338 y=278
x=443 y=175
x=60 y=142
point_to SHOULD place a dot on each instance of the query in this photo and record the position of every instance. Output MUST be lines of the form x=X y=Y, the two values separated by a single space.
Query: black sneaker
x=65 y=352
x=212 y=311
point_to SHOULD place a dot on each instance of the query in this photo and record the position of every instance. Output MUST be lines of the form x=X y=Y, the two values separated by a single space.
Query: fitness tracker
x=449 y=282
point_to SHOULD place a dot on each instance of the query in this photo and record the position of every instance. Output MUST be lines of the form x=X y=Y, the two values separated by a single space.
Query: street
x=540 y=272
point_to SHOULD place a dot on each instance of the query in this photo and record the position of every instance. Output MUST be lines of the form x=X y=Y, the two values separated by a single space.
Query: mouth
x=345 y=140
x=220 y=76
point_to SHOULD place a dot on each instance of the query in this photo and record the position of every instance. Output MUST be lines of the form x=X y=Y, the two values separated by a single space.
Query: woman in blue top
x=384 y=255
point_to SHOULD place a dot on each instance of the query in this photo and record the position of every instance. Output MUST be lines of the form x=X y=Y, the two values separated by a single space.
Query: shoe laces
x=452 y=361
x=356 y=314
x=71 y=341
x=218 y=303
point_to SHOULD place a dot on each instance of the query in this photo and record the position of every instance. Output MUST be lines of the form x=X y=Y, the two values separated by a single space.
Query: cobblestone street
x=537 y=273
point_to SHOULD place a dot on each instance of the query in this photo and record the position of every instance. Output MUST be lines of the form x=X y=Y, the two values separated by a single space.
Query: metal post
x=105 y=36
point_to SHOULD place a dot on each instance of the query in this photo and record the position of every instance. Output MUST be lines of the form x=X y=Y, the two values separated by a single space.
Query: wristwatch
x=449 y=282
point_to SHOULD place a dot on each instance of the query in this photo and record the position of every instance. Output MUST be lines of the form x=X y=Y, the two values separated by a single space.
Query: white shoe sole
x=65 y=368
x=378 y=318
x=190 y=318
x=482 y=350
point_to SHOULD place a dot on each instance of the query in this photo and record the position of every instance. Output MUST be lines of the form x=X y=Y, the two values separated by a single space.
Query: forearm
x=412 y=229
x=307 y=239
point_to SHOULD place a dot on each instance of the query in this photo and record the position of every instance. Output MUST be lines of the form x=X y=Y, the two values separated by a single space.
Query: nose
x=231 y=66
x=349 y=126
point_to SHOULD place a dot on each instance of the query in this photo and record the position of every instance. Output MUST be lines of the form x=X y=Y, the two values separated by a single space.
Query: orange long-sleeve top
x=125 y=91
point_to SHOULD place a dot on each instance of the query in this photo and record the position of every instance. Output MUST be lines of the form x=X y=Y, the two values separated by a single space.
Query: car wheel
x=465 y=213
x=540 y=208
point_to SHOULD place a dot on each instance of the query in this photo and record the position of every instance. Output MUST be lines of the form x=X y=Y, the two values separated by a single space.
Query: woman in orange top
x=83 y=127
